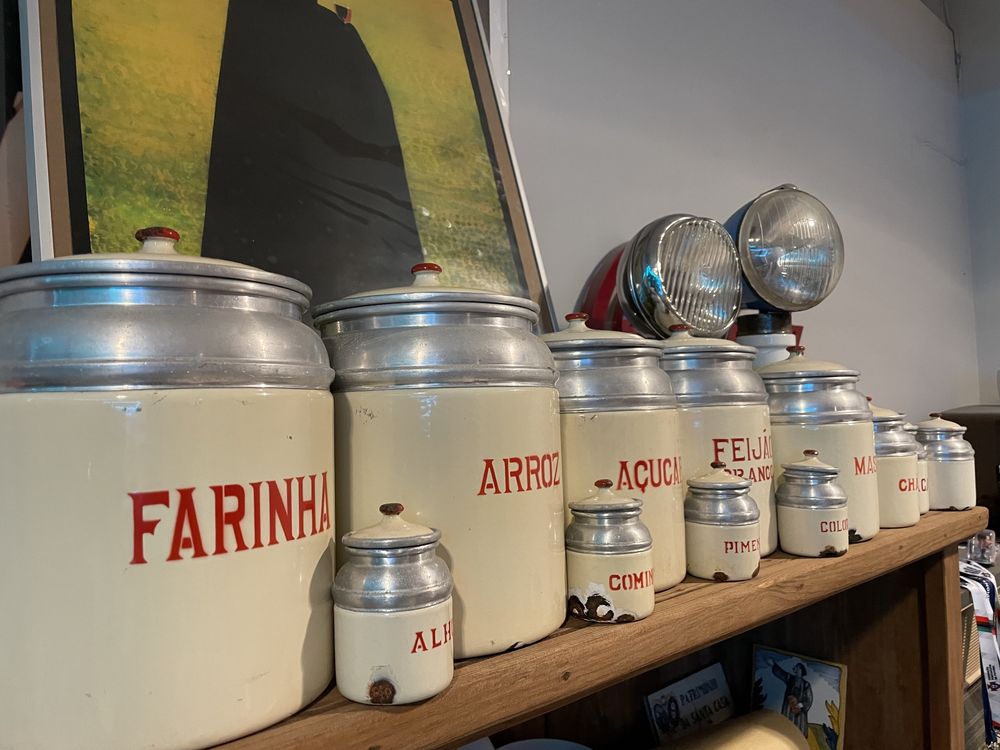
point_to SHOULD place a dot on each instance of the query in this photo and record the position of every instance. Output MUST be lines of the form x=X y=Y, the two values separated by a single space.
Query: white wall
x=625 y=111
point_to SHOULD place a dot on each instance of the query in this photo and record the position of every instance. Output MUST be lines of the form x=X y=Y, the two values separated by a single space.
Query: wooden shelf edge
x=493 y=693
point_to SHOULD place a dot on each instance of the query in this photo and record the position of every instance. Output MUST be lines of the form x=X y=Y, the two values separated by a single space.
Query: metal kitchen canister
x=722 y=522
x=392 y=613
x=898 y=480
x=609 y=558
x=619 y=419
x=815 y=405
x=722 y=407
x=168 y=468
x=812 y=508
x=951 y=467
x=923 y=496
x=445 y=396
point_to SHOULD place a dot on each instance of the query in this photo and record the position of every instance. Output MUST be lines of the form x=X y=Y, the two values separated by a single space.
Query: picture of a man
x=798 y=697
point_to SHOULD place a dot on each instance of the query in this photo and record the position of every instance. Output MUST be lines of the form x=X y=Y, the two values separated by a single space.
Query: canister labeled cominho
x=898 y=481
x=168 y=489
x=815 y=406
x=923 y=497
x=392 y=614
x=723 y=527
x=951 y=467
x=722 y=406
x=812 y=509
x=619 y=420
x=448 y=398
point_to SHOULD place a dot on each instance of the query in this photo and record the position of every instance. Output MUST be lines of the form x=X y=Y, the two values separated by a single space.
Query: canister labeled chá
x=722 y=522
x=951 y=467
x=815 y=405
x=923 y=497
x=168 y=494
x=392 y=614
x=609 y=558
x=722 y=408
x=812 y=508
x=619 y=420
x=448 y=398
x=898 y=481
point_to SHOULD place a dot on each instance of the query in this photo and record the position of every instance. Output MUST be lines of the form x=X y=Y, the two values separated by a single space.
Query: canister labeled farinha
x=723 y=526
x=619 y=420
x=898 y=480
x=448 y=398
x=812 y=508
x=168 y=468
x=951 y=466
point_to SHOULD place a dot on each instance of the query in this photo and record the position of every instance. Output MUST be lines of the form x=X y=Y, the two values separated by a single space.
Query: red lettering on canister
x=520 y=474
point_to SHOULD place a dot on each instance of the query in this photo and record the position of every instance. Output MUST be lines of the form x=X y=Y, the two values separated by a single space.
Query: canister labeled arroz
x=815 y=405
x=722 y=522
x=812 y=509
x=619 y=420
x=392 y=614
x=722 y=407
x=448 y=399
x=951 y=467
x=898 y=481
x=609 y=558
x=923 y=497
x=168 y=467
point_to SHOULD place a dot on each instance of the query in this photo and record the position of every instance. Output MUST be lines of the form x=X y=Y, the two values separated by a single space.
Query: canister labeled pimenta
x=923 y=497
x=392 y=613
x=722 y=522
x=815 y=405
x=722 y=407
x=609 y=558
x=168 y=490
x=951 y=467
x=448 y=398
x=812 y=508
x=619 y=420
x=898 y=481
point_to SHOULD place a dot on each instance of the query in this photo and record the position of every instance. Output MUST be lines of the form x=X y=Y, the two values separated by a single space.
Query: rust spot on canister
x=625 y=618
x=831 y=551
x=576 y=608
x=593 y=602
x=854 y=537
x=381 y=692
x=720 y=576
x=755 y=571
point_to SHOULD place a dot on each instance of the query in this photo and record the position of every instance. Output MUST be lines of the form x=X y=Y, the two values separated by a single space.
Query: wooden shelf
x=496 y=692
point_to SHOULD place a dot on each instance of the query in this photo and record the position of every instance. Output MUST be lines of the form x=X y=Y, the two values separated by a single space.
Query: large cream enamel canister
x=619 y=420
x=722 y=407
x=392 y=614
x=168 y=497
x=815 y=405
x=923 y=496
x=448 y=398
x=951 y=467
x=723 y=526
x=812 y=508
x=898 y=480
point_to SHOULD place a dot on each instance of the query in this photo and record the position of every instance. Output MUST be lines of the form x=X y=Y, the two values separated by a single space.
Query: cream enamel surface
x=601 y=575
x=839 y=445
x=103 y=653
x=951 y=485
x=897 y=507
x=807 y=531
x=923 y=496
x=374 y=646
x=707 y=556
x=608 y=445
x=427 y=449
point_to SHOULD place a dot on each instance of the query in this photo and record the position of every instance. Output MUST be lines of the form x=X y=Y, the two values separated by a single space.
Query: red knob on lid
x=577 y=316
x=603 y=484
x=811 y=453
x=149 y=232
x=421 y=267
x=869 y=398
x=934 y=414
x=718 y=464
x=679 y=327
x=797 y=349
x=390 y=509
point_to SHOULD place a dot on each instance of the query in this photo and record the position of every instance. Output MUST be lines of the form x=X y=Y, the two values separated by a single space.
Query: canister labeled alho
x=815 y=405
x=923 y=497
x=392 y=613
x=812 y=508
x=168 y=489
x=609 y=558
x=722 y=408
x=722 y=522
x=951 y=467
x=448 y=398
x=619 y=420
x=898 y=481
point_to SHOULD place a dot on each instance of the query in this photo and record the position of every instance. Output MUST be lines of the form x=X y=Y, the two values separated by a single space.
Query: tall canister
x=168 y=487
x=722 y=407
x=951 y=464
x=448 y=398
x=898 y=481
x=815 y=405
x=619 y=420
x=923 y=496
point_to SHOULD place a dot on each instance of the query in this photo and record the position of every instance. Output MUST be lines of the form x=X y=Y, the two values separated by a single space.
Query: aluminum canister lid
x=810 y=483
x=912 y=430
x=392 y=532
x=891 y=438
x=154 y=319
x=607 y=523
x=708 y=371
x=942 y=440
x=811 y=391
x=720 y=499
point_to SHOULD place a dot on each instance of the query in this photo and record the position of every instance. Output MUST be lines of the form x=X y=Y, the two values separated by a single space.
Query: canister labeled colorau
x=392 y=614
x=898 y=480
x=812 y=509
x=923 y=497
x=951 y=467
x=619 y=420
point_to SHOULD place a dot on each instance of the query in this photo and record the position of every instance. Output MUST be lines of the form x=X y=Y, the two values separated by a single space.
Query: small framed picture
x=698 y=701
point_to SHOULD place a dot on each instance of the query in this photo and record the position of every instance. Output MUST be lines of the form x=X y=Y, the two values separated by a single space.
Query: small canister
x=609 y=558
x=392 y=613
x=896 y=460
x=951 y=468
x=923 y=498
x=812 y=509
x=722 y=523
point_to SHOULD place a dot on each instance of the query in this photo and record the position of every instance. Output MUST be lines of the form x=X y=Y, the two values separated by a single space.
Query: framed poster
x=336 y=143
